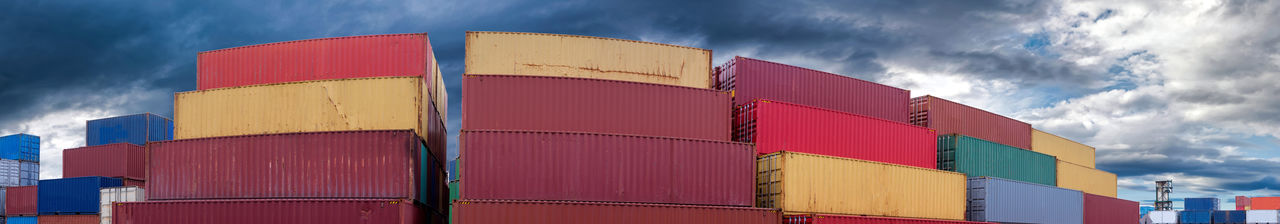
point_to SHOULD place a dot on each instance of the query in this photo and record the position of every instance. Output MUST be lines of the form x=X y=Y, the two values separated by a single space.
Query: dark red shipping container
x=567 y=166
x=500 y=102
x=137 y=183
x=20 y=201
x=69 y=219
x=778 y=126
x=348 y=164
x=273 y=211
x=1107 y=210
x=318 y=59
x=953 y=118
x=119 y=160
x=1243 y=203
x=840 y=219
x=754 y=79
x=559 y=212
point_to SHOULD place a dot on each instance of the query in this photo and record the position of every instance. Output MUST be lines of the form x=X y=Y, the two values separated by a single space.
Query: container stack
x=73 y=200
x=19 y=160
x=575 y=129
x=116 y=148
x=333 y=130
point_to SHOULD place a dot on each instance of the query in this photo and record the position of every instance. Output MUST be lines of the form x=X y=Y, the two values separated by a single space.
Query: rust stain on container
x=539 y=54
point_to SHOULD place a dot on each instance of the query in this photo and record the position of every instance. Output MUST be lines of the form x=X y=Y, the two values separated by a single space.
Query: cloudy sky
x=1178 y=90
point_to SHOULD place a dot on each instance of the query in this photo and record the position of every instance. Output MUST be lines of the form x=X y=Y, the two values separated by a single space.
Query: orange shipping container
x=539 y=54
x=800 y=183
x=1063 y=148
x=1264 y=203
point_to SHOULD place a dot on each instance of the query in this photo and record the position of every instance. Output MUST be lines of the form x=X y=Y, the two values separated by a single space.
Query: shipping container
x=539 y=54
x=1063 y=148
x=777 y=126
x=337 y=105
x=503 y=102
x=810 y=183
x=2 y=196
x=21 y=220
x=22 y=147
x=1195 y=217
x=388 y=55
x=21 y=201
x=137 y=129
x=1229 y=217
x=1088 y=180
x=110 y=196
x=949 y=117
x=1160 y=217
x=73 y=196
x=453 y=196
x=10 y=173
x=840 y=219
x=1106 y=210
x=1142 y=211
x=1262 y=217
x=1264 y=203
x=570 y=166
x=754 y=79
x=119 y=160
x=549 y=212
x=30 y=173
x=352 y=164
x=1200 y=204
x=452 y=169
x=1242 y=203
x=275 y=211
x=68 y=219
x=133 y=183
x=982 y=158
x=1010 y=201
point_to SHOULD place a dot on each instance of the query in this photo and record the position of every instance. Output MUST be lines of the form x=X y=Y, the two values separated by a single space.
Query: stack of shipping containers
x=19 y=175
x=114 y=157
x=333 y=130
x=575 y=129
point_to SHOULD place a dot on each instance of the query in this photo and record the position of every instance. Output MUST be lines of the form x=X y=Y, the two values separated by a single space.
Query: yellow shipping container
x=808 y=183
x=441 y=93
x=1088 y=180
x=537 y=54
x=396 y=103
x=1063 y=148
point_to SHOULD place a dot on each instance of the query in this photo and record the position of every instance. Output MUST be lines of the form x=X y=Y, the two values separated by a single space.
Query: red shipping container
x=137 y=183
x=1107 y=210
x=500 y=102
x=119 y=160
x=318 y=59
x=953 y=118
x=778 y=126
x=69 y=219
x=20 y=201
x=840 y=219
x=300 y=211
x=567 y=166
x=1242 y=203
x=754 y=79
x=559 y=212
x=1264 y=203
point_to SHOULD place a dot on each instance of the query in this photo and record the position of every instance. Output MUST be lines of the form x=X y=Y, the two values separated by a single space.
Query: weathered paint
x=981 y=158
x=809 y=183
x=949 y=117
x=540 y=54
x=1088 y=180
x=1063 y=148
x=754 y=79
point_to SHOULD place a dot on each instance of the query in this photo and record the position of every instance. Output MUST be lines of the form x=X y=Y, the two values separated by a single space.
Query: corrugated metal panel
x=1242 y=203
x=561 y=212
x=20 y=147
x=109 y=196
x=21 y=220
x=1063 y=148
x=356 y=164
x=566 y=166
x=452 y=169
x=1008 y=201
x=1195 y=217
x=1088 y=180
x=137 y=129
x=981 y=158
x=1264 y=203
x=69 y=219
x=754 y=79
x=1142 y=211
x=1161 y=217
x=539 y=54
x=1107 y=210
x=335 y=105
x=953 y=118
x=493 y=102
x=453 y=196
x=10 y=173
x=30 y=173
x=808 y=183
x=1229 y=217
x=312 y=211
x=21 y=200
x=2 y=195
x=135 y=183
x=72 y=196
x=119 y=160
x=776 y=126
x=1262 y=216
x=1200 y=204
x=839 y=219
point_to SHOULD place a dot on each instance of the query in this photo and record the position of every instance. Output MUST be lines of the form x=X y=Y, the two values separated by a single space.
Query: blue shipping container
x=1142 y=211
x=1200 y=204
x=20 y=220
x=1008 y=201
x=20 y=147
x=72 y=196
x=137 y=129
x=1229 y=217
x=1195 y=217
x=453 y=170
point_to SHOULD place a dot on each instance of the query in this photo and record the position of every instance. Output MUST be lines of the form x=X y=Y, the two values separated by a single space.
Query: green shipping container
x=453 y=196
x=981 y=158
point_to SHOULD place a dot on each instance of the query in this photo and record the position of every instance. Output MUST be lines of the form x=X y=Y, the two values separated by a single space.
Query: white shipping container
x=2 y=191
x=1262 y=216
x=10 y=173
x=30 y=173
x=1161 y=217
x=118 y=194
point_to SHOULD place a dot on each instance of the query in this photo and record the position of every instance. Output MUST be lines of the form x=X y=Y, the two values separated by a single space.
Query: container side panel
x=981 y=158
x=1007 y=201
x=953 y=118
x=1062 y=148
x=540 y=212
x=754 y=79
x=120 y=160
x=782 y=126
x=72 y=196
x=21 y=200
x=1088 y=180
x=317 y=59
x=555 y=55
x=1104 y=210
x=315 y=211
x=810 y=183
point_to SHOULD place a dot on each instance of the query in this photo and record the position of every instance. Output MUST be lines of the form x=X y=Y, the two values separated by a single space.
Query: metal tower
x=1163 y=189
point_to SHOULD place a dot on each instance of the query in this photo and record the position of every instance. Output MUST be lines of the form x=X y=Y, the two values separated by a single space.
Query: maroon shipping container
x=567 y=166
x=754 y=79
x=300 y=211
x=20 y=201
x=539 y=212
x=840 y=219
x=137 y=183
x=953 y=118
x=1106 y=210
x=318 y=59
x=533 y=103
x=778 y=126
x=69 y=219
x=119 y=160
